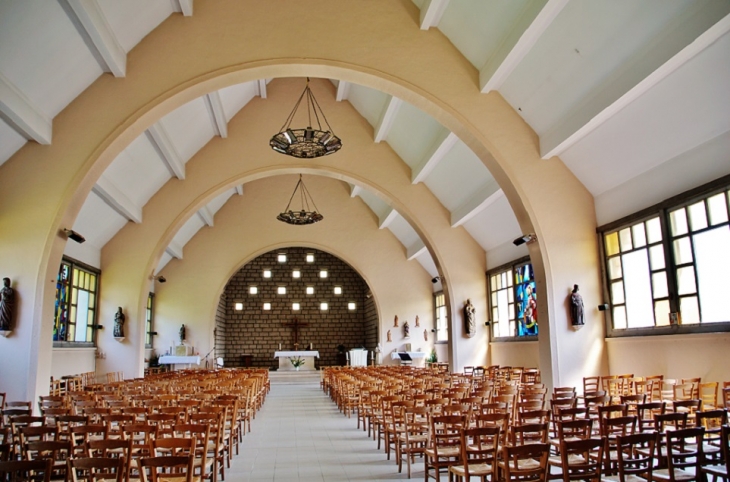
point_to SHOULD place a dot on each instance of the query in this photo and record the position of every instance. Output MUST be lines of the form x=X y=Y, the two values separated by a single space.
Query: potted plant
x=296 y=361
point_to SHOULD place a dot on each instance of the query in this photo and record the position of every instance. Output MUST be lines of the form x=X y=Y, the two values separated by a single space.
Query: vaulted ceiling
x=632 y=96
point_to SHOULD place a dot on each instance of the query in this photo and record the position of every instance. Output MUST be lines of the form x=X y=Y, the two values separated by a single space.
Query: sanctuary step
x=294 y=378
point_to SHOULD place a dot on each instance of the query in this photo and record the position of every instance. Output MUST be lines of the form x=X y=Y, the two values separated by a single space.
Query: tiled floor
x=299 y=435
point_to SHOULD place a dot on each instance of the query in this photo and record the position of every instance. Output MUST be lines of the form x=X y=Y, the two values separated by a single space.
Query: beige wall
x=44 y=187
x=524 y=354
x=72 y=361
x=674 y=356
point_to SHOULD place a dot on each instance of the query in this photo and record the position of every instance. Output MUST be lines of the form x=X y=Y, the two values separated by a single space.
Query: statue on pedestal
x=576 y=307
x=182 y=334
x=119 y=319
x=406 y=330
x=7 y=302
x=470 y=324
x=395 y=322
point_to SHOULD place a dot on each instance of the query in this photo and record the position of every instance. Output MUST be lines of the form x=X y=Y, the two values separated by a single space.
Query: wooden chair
x=479 y=448
x=167 y=469
x=712 y=421
x=646 y=414
x=58 y=452
x=721 y=469
x=532 y=433
x=636 y=457
x=591 y=384
x=579 y=429
x=26 y=470
x=582 y=459
x=684 y=456
x=97 y=469
x=708 y=394
x=114 y=449
x=203 y=465
x=524 y=463
x=444 y=449
x=414 y=438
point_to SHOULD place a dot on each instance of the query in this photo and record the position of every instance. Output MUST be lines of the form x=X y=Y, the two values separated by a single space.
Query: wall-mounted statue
x=425 y=335
x=417 y=324
x=576 y=307
x=7 y=303
x=470 y=324
x=119 y=319
x=395 y=322
x=182 y=334
x=406 y=330
x=389 y=338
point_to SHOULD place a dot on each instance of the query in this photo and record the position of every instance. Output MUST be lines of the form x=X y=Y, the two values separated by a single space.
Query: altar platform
x=308 y=357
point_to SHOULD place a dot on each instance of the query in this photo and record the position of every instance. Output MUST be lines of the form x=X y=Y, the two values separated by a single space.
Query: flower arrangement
x=296 y=361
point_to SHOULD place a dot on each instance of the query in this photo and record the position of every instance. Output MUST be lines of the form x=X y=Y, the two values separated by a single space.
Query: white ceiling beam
x=385 y=221
x=239 y=189
x=387 y=118
x=206 y=216
x=343 y=90
x=185 y=6
x=438 y=150
x=415 y=250
x=483 y=198
x=22 y=114
x=174 y=249
x=536 y=18
x=117 y=200
x=261 y=88
x=431 y=13
x=217 y=115
x=581 y=123
x=162 y=142
x=89 y=20
x=355 y=190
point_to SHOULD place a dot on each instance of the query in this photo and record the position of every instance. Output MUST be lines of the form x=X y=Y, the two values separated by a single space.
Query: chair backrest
x=93 y=469
x=516 y=465
x=446 y=431
x=636 y=455
x=21 y=470
x=685 y=452
x=56 y=451
x=582 y=459
x=646 y=413
x=529 y=434
x=479 y=446
x=155 y=469
x=575 y=429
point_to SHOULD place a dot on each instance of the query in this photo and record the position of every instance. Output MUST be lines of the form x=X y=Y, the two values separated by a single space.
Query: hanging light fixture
x=306 y=143
x=303 y=215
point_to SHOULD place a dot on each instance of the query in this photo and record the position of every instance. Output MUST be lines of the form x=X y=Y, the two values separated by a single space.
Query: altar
x=307 y=356
x=180 y=360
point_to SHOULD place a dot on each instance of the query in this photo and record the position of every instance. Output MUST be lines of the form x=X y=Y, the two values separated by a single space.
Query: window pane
x=498 y=282
x=511 y=311
x=682 y=250
x=659 y=283
x=656 y=257
x=678 y=221
x=617 y=293
x=661 y=312
x=494 y=298
x=686 y=280
x=493 y=283
x=503 y=307
x=712 y=249
x=82 y=316
x=698 y=216
x=639 y=304
x=619 y=317
x=690 y=310
x=504 y=279
x=614 y=267
x=639 y=235
x=625 y=237
x=611 y=241
x=495 y=315
x=654 y=230
x=718 y=209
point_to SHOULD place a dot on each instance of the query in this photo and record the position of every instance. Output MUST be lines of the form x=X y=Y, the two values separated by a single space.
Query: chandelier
x=304 y=215
x=306 y=143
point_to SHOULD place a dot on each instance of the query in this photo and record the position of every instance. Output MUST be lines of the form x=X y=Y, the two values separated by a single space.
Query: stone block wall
x=258 y=332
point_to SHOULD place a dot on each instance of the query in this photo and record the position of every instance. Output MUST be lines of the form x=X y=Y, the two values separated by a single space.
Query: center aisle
x=300 y=435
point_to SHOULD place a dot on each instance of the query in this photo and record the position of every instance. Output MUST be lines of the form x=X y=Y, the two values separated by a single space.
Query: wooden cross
x=295 y=325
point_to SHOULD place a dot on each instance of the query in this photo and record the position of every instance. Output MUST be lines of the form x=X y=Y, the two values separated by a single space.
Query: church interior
x=496 y=152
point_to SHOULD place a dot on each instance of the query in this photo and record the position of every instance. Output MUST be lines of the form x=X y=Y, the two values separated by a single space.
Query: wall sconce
x=71 y=234
x=435 y=279
x=152 y=333
x=97 y=327
x=160 y=278
x=525 y=238
x=603 y=307
x=487 y=323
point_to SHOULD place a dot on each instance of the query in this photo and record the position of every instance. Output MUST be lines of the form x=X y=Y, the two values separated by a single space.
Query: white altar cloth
x=307 y=356
x=358 y=358
x=179 y=360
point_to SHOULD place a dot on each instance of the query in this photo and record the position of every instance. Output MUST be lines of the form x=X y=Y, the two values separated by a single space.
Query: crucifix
x=295 y=325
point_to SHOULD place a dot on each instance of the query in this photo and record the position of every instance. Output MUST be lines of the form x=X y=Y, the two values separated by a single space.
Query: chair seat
x=628 y=478
x=475 y=470
x=716 y=470
x=679 y=475
x=413 y=438
x=444 y=452
x=557 y=461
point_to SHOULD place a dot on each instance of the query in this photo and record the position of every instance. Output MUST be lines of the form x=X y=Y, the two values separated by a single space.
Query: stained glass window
x=76 y=300
x=526 y=296
x=513 y=300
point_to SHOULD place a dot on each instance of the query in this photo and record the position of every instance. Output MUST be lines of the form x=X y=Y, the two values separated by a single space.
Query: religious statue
x=395 y=322
x=470 y=324
x=425 y=335
x=406 y=330
x=378 y=355
x=389 y=338
x=119 y=319
x=576 y=307
x=7 y=301
x=182 y=333
x=417 y=325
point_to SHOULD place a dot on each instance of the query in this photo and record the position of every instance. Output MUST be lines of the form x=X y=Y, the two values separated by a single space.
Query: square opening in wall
x=253 y=290
x=267 y=273
x=238 y=306
x=310 y=258
x=281 y=258
x=338 y=290
x=295 y=307
x=324 y=306
x=296 y=274
x=267 y=306
x=351 y=306
x=281 y=290
x=323 y=273
x=310 y=290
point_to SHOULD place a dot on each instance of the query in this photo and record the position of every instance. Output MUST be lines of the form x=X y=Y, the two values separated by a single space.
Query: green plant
x=296 y=361
x=432 y=358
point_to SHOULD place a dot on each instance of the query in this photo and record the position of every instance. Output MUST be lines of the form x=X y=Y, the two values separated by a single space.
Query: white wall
x=674 y=356
x=515 y=354
x=72 y=361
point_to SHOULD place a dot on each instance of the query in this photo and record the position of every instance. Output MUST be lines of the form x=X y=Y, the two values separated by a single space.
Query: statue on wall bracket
x=470 y=325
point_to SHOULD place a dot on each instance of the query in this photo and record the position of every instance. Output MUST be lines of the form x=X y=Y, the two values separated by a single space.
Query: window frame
x=91 y=323
x=149 y=341
x=436 y=319
x=512 y=266
x=663 y=211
